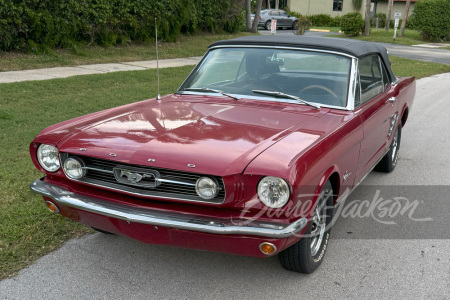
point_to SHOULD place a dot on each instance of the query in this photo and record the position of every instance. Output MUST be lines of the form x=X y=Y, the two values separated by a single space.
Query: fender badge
x=346 y=175
x=191 y=166
x=113 y=154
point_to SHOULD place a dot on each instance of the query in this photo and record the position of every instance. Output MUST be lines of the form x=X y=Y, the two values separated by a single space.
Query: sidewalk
x=63 y=72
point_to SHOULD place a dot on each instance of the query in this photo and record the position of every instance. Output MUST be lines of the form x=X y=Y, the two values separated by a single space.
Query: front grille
x=170 y=184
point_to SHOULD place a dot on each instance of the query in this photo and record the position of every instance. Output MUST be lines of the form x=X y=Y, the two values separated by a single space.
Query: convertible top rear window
x=318 y=77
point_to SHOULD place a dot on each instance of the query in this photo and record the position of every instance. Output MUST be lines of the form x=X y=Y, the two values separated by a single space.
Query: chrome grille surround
x=143 y=181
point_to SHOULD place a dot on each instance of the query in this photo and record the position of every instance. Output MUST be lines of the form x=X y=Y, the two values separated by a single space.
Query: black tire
x=268 y=25
x=102 y=231
x=295 y=25
x=307 y=255
x=389 y=161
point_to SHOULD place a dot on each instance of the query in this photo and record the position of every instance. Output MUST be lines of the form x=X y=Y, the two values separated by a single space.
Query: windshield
x=312 y=76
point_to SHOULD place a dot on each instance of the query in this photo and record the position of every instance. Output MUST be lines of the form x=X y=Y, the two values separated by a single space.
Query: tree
x=248 y=14
x=388 y=15
x=256 y=19
x=367 y=18
x=277 y=3
x=405 y=16
x=356 y=5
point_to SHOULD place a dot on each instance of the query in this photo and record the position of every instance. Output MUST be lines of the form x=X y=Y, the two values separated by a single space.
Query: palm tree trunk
x=405 y=17
x=367 y=26
x=248 y=14
x=388 y=15
x=257 y=13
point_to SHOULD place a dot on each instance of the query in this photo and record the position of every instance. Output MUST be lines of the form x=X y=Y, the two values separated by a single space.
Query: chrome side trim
x=64 y=197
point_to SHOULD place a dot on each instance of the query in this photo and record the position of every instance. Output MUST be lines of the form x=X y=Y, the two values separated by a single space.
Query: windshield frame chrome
x=351 y=89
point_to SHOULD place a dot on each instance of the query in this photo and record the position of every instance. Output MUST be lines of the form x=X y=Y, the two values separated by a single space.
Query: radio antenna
x=157 y=59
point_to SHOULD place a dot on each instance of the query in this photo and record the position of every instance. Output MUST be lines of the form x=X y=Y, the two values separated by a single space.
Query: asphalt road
x=361 y=262
x=412 y=52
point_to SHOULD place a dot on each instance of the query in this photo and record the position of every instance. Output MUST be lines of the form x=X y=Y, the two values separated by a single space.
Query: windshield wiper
x=283 y=95
x=204 y=89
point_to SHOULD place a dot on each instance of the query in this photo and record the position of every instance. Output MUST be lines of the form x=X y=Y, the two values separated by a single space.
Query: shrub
x=432 y=19
x=321 y=20
x=32 y=25
x=336 y=21
x=304 y=23
x=381 y=20
x=352 y=24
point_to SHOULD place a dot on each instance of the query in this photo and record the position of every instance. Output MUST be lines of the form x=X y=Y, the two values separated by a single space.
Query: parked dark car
x=284 y=20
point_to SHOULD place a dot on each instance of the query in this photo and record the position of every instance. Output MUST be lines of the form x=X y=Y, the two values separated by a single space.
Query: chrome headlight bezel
x=273 y=199
x=213 y=188
x=75 y=161
x=48 y=157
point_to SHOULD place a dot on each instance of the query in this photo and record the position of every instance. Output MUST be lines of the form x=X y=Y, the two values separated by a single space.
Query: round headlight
x=206 y=188
x=47 y=156
x=73 y=168
x=273 y=192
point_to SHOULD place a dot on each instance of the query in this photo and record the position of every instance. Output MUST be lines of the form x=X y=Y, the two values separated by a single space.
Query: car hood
x=213 y=135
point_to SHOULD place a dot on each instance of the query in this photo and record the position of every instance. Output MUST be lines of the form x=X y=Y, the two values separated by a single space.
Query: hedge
x=432 y=19
x=33 y=25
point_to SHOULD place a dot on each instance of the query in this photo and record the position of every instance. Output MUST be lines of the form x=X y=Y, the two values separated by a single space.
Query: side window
x=274 y=13
x=372 y=77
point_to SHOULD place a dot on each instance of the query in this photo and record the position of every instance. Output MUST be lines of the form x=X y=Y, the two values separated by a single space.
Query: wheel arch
x=404 y=116
x=333 y=176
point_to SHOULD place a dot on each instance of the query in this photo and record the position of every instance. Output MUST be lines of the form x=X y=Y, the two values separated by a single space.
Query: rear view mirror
x=275 y=61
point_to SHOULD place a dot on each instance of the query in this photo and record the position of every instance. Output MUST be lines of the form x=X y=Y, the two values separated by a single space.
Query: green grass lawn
x=186 y=46
x=409 y=67
x=27 y=229
x=411 y=37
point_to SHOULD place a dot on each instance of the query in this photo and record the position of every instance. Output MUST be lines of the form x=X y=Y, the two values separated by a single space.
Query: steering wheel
x=321 y=87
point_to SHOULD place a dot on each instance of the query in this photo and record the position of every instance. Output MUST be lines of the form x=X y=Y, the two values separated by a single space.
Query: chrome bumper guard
x=64 y=197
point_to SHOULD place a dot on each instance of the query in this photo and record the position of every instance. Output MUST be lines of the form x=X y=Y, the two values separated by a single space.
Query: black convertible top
x=353 y=47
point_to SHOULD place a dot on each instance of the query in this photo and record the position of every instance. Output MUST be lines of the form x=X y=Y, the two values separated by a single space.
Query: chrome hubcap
x=318 y=226
x=394 y=146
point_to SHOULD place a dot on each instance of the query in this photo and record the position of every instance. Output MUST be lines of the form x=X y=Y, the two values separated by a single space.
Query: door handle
x=392 y=99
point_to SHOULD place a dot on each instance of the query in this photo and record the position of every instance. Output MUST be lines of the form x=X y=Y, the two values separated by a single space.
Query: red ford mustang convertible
x=249 y=156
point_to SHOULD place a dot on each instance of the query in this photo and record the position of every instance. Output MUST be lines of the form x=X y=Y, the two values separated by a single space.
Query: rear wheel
x=306 y=255
x=268 y=25
x=389 y=161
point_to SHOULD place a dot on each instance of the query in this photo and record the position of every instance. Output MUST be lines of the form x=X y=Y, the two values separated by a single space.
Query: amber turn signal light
x=267 y=248
x=52 y=207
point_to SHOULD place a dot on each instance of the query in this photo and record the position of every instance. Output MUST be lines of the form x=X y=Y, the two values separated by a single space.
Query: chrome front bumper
x=64 y=197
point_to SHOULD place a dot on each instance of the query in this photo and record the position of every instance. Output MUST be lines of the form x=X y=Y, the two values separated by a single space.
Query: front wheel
x=306 y=255
x=389 y=161
x=295 y=25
